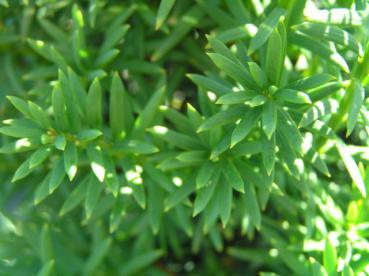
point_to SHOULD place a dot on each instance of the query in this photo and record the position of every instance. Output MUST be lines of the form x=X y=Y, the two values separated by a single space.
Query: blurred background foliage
x=128 y=120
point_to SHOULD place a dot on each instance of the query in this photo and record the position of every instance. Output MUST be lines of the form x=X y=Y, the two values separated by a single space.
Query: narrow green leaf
x=209 y=84
x=47 y=268
x=320 y=49
x=111 y=178
x=222 y=118
x=94 y=104
x=335 y=16
x=205 y=174
x=330 y=257
x=163 y=12
x=38 y=157
x=87 y=135
x=292 y=96
x=257 y=74
x=96 y=159
x=75 y=197
x=113 y=37
x=234 y=70
x=269 y=118
x=22 y=171
x=274 y=57
x=347 y=271
x=269 y=154
x=59 y=109
x=288 y=126
x=351 y=167
x=310 y=82
x=121 y=118
x=135 y=147
x=252 y=205
x=232 y=176
x=356 y=100
x=19 y=104
x=134 y=265
x=236 y=97
x=202 y=199
x=318 y=110
x=159 y=178
x=21 y=131
x=225 y=204
x=93 y=192
x=244 y=127
x=70 y=160
x=316 y=268
x=330 y=33
x=265 y=30
x=60 y=142
x=155 y=207
x=42 y=190
x=180 y=194
x=257 y=101
x=150 y=111
x=56 y=176
x=220 y=48
x=194 y=156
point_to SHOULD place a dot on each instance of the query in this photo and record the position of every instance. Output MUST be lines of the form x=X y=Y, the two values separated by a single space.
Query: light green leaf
x=205 y=174
x=275 y=57
x=180 y=140
x=330 y=33
x=222 y=118
x=94 y=104
x=47 y=268
x=22 y=171
x=236 y=97
x=96 y=159
x=320 y=49
x=59 y=108
x=38 y=157
x=194 y=156
x=155 y=206
x=269 y=118
x=87 y=135
x=234 y=70
x=318 y=110
x=225 y=204
x=19 y=104
x=257 y=74
x=209 y=84
x=93 y=192
x=139 y=262
x=70 y=160
x=293 y=96
x=232 y=176
x=60 y=142
x=180 y=194
x=150 y=111
x=135 y=147
x=330 y=257
x=56 y=176
x=163 y=12
x=265 y=30
x=244 y=127
x=351 y=167
x=42 y=190
x=269 y=154
x=75 y=197
x=113 y=37
x=356 y=100
x=203 y=197
x=121 y=118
